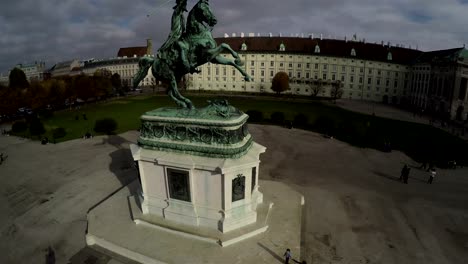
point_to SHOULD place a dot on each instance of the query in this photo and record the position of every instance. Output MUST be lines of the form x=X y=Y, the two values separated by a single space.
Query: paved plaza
x=356 y=210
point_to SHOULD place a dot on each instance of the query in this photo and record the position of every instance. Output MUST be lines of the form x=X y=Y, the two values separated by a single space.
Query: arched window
x=389 y=56
x=244 y=46
x=317 y=49
x=353 y=52
x=282 y=47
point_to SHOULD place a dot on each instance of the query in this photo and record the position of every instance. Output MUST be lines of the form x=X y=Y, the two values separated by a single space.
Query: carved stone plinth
x=207 y=132
x=199 y=167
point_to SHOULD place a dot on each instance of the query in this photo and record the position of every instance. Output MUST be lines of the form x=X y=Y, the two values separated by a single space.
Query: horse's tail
x=143 y=67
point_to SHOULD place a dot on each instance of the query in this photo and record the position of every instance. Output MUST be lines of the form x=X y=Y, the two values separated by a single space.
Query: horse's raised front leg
x=221 y=60
x=225 y=47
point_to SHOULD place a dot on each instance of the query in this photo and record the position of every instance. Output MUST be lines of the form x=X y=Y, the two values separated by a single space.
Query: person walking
x=403 y=171
x=406 y=175
x=432 y=174
x=287 y=256
x=423 y=165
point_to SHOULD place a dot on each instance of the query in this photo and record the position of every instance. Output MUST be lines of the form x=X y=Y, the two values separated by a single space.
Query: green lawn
x=421 y=142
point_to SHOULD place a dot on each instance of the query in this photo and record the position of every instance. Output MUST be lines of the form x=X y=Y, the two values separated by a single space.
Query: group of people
x=406 y=170
x=87 y=135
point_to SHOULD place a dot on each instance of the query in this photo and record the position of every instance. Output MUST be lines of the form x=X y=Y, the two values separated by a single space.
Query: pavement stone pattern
x=356 y=210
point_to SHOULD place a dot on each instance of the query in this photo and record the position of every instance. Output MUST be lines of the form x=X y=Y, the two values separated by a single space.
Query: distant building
x=136 y=52
x=33 y=71
x=125 y=64
x=64 y=68
x=4 y=79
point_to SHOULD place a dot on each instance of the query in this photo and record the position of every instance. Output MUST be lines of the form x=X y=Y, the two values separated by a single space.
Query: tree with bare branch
x=336 y=90
x=316 y=87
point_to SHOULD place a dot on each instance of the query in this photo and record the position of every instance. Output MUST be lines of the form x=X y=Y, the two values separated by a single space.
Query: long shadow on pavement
x=384 y=175
x=278 y=257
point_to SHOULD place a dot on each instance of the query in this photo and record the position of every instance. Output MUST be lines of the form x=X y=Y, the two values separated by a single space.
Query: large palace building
x=365 y=71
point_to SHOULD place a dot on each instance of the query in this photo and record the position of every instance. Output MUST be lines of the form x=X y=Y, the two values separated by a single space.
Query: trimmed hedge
x=19 y=126
x=255 y=116
x=300 y=120
x=36 y=127
x=105 y=125
x=278 y=118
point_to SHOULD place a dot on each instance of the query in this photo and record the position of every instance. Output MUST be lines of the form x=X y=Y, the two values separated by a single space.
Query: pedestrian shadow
x=276 y=256
x=387 y=176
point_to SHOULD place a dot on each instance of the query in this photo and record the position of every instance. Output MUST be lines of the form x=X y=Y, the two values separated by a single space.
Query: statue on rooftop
x=188 y=46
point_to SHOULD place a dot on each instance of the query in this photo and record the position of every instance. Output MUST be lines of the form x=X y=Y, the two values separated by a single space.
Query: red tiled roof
x=328 y=47
x=130 y=51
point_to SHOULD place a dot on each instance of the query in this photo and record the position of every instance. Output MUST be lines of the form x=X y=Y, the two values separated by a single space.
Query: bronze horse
x=196 y=45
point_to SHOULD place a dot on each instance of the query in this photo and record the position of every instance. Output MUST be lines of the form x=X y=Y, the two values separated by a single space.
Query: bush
x=36 y=127
x=325 y=125
x=45 y=113
x=255 y=115
x=300 y=120
x=277 y=118
x=19 y=126
x=58 y=132
x=105 y=125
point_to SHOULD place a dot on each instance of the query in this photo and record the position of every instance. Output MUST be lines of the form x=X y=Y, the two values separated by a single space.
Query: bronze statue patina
x=188 y=46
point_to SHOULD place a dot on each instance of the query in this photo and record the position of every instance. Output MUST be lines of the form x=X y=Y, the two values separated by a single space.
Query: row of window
x=308 y=74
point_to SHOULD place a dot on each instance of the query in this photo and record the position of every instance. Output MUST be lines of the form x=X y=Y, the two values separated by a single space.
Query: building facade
x=33 y=71
x=439 y=83
x=65 y=68
x=4 y=79
x=365 y=71
x=125 y=67
x=125 y=64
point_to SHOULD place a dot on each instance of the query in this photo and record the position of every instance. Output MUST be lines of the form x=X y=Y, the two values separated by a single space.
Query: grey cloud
x=56 y=30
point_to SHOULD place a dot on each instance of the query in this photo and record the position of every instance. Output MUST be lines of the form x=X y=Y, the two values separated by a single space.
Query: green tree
x=280 y=82
x=10 y=101
x=37 y=95
x=57 y=91
x=18 y=79
x=336 y=91
x=83 y=87
x=116 y=83
x=101 y=86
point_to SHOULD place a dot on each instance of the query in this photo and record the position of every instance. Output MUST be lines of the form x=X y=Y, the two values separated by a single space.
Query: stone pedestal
x=199 y=169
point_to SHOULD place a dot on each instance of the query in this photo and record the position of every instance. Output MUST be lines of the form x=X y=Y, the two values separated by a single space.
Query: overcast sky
x=58 y=30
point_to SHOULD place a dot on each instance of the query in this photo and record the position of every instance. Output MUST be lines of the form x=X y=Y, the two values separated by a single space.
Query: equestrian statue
x=188 y=46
